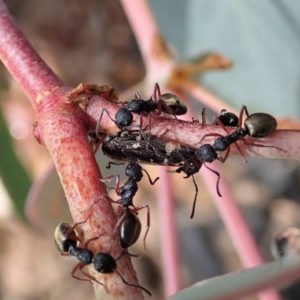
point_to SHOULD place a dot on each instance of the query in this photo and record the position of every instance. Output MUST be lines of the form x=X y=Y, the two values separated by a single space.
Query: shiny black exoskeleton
x=66 y=241
x=256 y=125
x=228 y=118
x=158 y=103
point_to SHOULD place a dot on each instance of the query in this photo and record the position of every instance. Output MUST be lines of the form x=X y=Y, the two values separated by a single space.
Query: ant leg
x=156 y=92
x=104 y=110
x=124 y=252
x=71 y=231
x=224 y=158
x=119 y=222
x=218 y=180
x=195 y=197
x=86 y=244
x=117 y=185
x=91 y=278
x=162 y=104
x=136 y=209
x=203 y=115
x=113 y=163
x=133 y=285
x=210 y=134
x=243 y=110
x=262 y=145
x=150 y=180
x=79 y=266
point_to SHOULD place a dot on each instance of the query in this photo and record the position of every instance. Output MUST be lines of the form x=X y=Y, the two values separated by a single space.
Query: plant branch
x=62 y=129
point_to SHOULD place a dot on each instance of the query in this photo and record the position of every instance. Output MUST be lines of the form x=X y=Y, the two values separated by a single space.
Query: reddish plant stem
x=170 y=249
x=62 y=128
x=21 y=59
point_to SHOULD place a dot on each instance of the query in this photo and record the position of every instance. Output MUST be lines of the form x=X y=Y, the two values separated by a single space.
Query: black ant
x=128 y=224
x=256 y=125
x=158 y=103
x=66 y=241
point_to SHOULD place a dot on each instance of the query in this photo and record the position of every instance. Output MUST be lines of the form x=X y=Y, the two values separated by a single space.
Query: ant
x=66 y=242
x=128 y=224
x=256 y=125
x=168 y=103
x=158 y=103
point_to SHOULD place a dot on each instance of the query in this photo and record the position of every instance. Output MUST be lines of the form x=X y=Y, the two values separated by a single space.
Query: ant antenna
x=149 y=178
x=195 y=197
x=218 y=180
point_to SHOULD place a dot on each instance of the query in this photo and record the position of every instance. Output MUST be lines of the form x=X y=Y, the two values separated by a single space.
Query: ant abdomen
x=260 y=125
x=129 y=230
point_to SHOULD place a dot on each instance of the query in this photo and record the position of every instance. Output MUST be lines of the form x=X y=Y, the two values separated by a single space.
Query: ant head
x=206 y=153
x=134 y=170
x=123 y=117
x=260 y=125
x=64 y=237
x=174 y=103
x=190 y=167
x=228 y=118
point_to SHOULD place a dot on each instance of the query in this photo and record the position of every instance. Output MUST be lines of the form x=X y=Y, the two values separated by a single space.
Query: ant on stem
x=256 y=125
x=66 y=242
x=128 y=224
x=167 y=103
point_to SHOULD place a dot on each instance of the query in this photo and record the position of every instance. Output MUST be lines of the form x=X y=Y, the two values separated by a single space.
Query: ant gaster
x=66 y=242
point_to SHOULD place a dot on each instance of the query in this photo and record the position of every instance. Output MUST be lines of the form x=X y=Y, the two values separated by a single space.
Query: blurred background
x=91 y=42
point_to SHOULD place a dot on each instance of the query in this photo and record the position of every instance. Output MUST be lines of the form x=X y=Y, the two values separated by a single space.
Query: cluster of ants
x=140 y=146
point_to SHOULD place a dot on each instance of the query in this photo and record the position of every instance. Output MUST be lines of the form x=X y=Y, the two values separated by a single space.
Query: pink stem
x=168 y=237
x=62 y=129
x=238 y=229
x=21 y=59
x=157 y=62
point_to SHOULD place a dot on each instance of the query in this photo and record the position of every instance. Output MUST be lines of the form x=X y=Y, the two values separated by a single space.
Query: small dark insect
x=158 y=103
x=128 y=224
x=66 y=242
x=256 y=125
